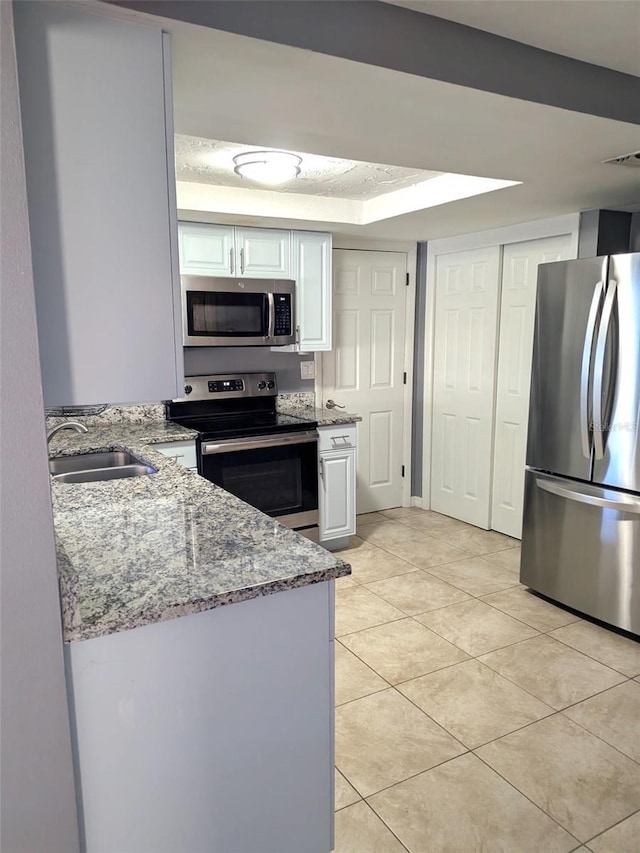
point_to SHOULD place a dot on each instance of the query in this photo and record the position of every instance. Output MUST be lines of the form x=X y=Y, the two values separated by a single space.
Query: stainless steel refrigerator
x=581 y=531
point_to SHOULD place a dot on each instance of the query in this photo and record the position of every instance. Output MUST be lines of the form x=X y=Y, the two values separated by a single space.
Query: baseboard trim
x=416 y=501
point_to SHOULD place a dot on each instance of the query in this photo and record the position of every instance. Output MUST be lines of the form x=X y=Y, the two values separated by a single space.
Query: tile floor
x=473 y=716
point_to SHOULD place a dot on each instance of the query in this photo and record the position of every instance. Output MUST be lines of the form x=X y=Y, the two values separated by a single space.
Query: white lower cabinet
x=337 y=484
x=209 y=732
x=182 y=452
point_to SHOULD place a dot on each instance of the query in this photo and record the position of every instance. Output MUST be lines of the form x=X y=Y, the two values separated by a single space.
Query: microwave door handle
x=272 y=316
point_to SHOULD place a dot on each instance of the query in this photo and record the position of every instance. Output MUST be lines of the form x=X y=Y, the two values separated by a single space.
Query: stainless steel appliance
x=237 y=311
x=581 y=533
x=268 y=459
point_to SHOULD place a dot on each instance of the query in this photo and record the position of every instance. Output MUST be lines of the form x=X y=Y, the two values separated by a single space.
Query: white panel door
x=364 y=371
x=206 y=249
x=263 y=253
x=467 y=289
x=517 y=318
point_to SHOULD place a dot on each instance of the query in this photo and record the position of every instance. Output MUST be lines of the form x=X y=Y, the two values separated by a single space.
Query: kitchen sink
x=93 y=467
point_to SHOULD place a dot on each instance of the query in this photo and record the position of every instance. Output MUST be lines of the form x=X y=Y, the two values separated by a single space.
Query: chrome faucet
x=66 y=425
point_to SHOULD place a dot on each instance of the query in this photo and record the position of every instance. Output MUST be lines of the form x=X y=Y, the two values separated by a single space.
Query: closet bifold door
x=467 y=298
x=515 y=347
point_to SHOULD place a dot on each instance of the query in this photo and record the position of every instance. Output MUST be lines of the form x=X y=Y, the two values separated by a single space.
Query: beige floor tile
x=464 y=807
x=402 y=650
x=374 y=564
x=369 y=518
x=360 y=830
x=584 y=784
x=609 y=648
x=354 y=543
x=346 y=794
x=420 y=550
x=623 y=838
x=556 y=674
x=383 y=739
x=417 y=592
x=386 y=532
x=476 y=541
x=613 y=716
x=476 y=627
x=358 y=608
x=432 y=522
x=353 y=678
x=476 y=575
x=474 y=703
x=509 y=559
x=402 y=512
x=345 y=582
x=529 y=608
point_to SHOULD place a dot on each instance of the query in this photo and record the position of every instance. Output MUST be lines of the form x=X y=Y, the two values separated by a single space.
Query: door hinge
x=404 y=378
x=407 y=279
x=403 y=470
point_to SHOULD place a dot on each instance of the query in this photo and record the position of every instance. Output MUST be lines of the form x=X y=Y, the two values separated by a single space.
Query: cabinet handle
x=241 y=261
x=336 y=438
x=322 y=467
x=231 y=263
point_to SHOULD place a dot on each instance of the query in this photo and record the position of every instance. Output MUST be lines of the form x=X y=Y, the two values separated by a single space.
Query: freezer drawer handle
x=623 y=505
x=586 y=368
x=598 y=370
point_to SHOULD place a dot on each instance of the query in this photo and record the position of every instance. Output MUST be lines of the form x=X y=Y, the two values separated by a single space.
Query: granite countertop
x=323 y=417
x=136 y=551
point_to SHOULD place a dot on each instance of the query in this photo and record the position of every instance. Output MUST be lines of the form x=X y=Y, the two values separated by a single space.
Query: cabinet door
x=99 y=168
x=263 y=253
x=206 y=249
x=311 y=255
x=336 y=494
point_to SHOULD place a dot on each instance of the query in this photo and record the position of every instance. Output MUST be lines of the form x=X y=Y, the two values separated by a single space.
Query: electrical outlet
x=308 y=369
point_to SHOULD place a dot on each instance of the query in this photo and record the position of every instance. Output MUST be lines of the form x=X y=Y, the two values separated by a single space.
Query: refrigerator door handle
x=622 y=504
x=598 y=370
x=585 y=373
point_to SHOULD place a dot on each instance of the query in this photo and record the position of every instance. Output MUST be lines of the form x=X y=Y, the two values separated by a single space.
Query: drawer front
x=337 y=437
x=182 y=452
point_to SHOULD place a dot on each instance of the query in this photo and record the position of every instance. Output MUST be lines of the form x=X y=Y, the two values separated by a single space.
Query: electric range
x=267 y=459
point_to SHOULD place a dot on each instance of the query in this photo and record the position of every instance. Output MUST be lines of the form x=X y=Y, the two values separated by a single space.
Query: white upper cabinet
x=304 y=256
x=311 y=256
x=206 y=249
x=222 y=250
x=98 y=139
x=263 y=253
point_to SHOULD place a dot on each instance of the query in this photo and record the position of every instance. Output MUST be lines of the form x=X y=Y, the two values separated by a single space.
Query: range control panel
x=228 y=386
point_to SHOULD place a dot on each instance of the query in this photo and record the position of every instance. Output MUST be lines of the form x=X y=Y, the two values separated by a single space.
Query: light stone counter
x=137 y=551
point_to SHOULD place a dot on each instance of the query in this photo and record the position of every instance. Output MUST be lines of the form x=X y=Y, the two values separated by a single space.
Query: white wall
x=37 y=810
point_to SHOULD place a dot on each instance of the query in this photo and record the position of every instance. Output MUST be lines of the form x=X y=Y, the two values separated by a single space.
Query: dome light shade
x=267 y=167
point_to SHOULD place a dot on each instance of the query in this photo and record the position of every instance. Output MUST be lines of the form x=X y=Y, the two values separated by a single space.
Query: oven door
x=277 y=474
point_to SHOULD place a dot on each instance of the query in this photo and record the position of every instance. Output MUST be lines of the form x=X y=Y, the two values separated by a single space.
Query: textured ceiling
x=209 y=161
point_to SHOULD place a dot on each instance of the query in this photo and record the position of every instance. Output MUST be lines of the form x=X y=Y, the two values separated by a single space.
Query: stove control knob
x=188 y=389
x=271 y=384
x=262 y=385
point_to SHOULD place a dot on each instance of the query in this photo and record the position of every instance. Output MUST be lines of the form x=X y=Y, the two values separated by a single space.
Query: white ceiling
x=263 y=94
x=210 y=161
x=602 y=32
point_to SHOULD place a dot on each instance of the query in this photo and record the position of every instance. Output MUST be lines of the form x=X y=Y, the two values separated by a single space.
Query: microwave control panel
x=283 y=319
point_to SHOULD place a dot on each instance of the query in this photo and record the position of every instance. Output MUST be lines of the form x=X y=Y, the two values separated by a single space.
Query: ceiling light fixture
x=267 y=167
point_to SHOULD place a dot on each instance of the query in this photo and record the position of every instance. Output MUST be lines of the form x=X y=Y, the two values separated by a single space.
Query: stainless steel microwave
x=234 y=312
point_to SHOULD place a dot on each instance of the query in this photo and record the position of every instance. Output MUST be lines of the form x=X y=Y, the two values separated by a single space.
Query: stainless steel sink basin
x=96 y=474
x=92 y=467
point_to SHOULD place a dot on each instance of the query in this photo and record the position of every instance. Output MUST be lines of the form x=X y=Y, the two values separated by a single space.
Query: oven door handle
x=281 y=440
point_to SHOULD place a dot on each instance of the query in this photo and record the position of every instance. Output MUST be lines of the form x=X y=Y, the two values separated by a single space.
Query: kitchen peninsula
x=199 y=648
